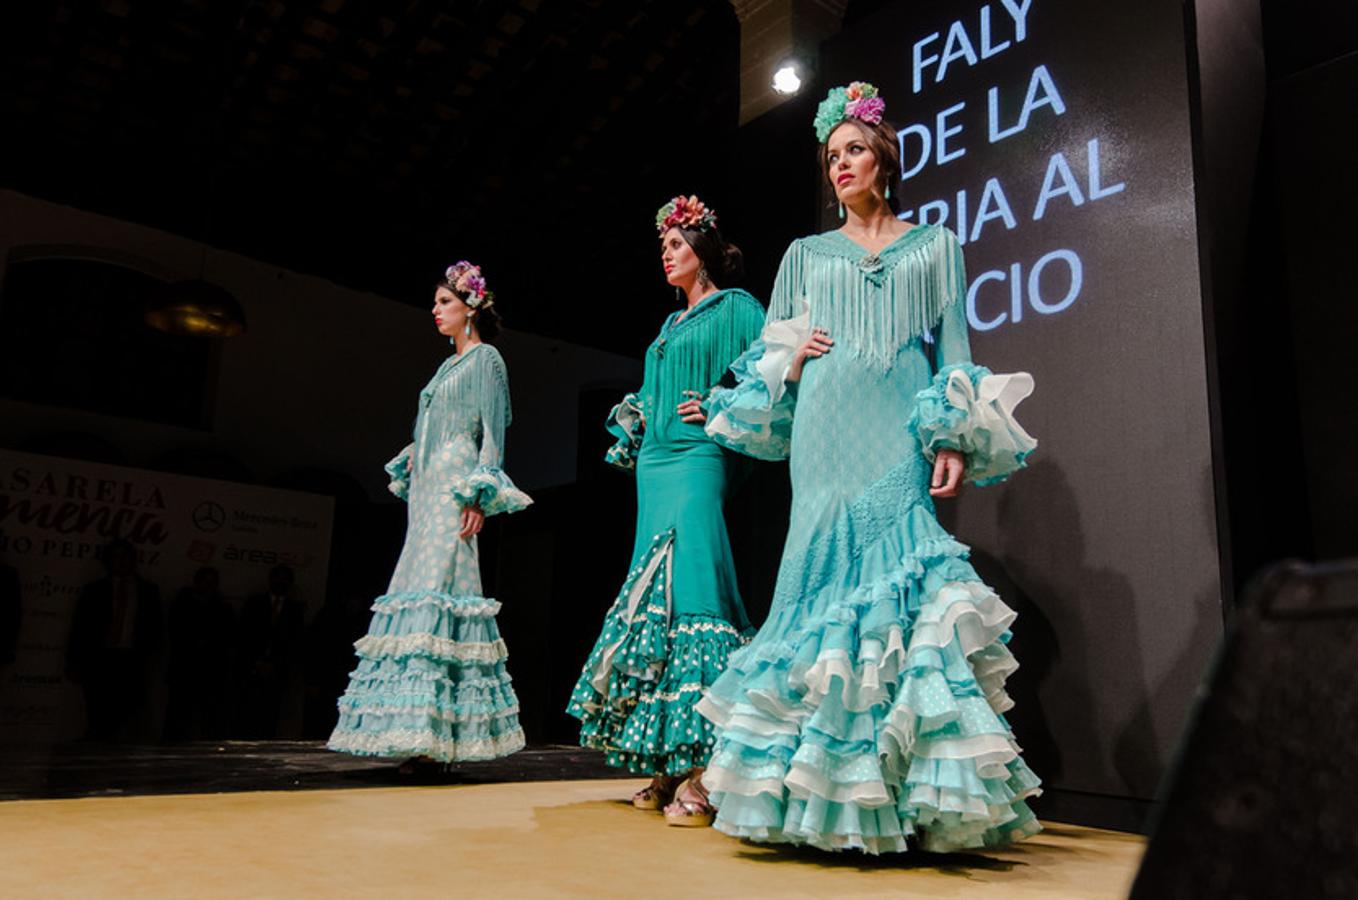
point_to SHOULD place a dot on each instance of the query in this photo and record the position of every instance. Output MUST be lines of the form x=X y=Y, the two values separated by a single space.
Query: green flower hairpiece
x=858 y=101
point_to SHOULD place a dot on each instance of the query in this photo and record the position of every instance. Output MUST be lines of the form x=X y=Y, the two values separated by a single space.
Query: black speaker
x=1263 y=798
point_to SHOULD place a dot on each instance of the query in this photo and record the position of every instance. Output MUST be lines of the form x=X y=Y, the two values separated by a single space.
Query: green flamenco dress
x=431 y=678
x=679 y=614
x=868 y=710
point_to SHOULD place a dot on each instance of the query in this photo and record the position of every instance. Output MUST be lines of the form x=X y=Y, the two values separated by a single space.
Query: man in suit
x=202 y=631
x=271 y=630
x=115 y=634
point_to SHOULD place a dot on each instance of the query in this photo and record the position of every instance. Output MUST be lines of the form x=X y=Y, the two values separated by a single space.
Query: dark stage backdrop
x=1054 y=137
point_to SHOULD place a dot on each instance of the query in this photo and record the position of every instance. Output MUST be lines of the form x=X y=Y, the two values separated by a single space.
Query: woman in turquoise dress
x=431 y=682
x=867 y=712
x=679 y=613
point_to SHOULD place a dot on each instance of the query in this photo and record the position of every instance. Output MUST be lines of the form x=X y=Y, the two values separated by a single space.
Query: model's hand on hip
x=948 y=468
x=691 y=410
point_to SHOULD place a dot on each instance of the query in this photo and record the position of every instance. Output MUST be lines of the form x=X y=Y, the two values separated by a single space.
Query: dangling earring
x=467 y=329
x=841 y=209
x=702 y=276
x=678 y=295
x=888 y=190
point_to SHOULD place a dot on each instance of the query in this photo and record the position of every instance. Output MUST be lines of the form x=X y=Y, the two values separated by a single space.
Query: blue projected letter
x=919 y=61
x=1096 y=189
x=945 y=132
x=938 y=206
x=926 y=144
x=1048 y=96
x=1071 y=259
x=973 y=317
x=957 y=35
x=994 y=205
x=1019 y=12
x=987 y=49
x=1057 y=166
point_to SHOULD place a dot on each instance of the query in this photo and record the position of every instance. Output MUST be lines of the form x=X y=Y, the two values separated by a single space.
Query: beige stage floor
x=544 y=839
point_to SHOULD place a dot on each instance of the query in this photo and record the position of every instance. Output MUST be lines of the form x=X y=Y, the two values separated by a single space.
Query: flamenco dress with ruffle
x=431 y=678
x=679 y=614
x=868 y=710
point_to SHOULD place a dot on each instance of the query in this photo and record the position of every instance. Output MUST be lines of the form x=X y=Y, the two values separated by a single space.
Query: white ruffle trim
x=711 y=627
x=487 y=609
x=781 y=342
x=433 y=712
x=371 y=646
x=406 y=742
x=671 y=696
x=991 y=432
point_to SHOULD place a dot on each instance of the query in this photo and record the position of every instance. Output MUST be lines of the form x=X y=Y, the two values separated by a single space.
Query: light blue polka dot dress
x=868 y=712
x=431 y=679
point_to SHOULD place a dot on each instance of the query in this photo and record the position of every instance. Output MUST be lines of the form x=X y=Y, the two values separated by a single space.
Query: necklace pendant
x=870 y=263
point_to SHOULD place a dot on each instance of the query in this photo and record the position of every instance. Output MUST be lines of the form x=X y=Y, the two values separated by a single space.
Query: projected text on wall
x=974 y=205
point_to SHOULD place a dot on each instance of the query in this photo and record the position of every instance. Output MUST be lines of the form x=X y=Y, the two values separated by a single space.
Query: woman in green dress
x=431 y=682
x=679 y=613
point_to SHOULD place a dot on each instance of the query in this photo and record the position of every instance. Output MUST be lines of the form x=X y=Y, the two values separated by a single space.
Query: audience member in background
x=198 y=669
x=11 y=614
x=270 y=644
x=116 y=632
x=330 y=657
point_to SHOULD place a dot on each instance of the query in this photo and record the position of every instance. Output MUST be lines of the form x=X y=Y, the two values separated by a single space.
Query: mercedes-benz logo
x=209 y=516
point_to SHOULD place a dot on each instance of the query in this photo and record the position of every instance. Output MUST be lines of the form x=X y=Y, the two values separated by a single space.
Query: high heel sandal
x=655 y=795
x=686 y=812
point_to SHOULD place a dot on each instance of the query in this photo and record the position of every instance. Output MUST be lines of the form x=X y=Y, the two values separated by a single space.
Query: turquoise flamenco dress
x=431 y=678
x=679 y=614
x=869 y=707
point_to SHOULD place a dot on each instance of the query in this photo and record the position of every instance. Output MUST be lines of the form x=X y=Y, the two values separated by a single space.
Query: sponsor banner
x=57 y=514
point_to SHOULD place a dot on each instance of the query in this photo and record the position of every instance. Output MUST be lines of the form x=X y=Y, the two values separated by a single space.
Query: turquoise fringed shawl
x=468 y=393
x=692 y=353
x=872 y=304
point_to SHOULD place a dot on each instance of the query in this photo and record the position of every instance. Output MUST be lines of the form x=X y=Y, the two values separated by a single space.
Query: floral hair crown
x=465 y=278
x=859 y=101
x=685 y=212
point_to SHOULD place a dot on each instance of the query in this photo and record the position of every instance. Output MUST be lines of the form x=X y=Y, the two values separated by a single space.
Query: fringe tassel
x=694 y=354
x=871 y=311
x=464 y=392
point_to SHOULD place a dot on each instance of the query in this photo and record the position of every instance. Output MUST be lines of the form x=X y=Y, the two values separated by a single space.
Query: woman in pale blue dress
x=867 y=712
x=431 y=682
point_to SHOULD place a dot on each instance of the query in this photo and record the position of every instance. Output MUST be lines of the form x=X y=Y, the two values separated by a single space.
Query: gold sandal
x=655 y=795
x=689 y=813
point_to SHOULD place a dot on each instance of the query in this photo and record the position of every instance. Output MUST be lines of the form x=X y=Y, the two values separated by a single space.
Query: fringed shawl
x=693 y=353
x=871 y=304
x=468 y=394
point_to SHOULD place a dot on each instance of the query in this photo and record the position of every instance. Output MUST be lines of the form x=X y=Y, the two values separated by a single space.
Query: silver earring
x=841 y=210
x=888 y=190
x=678 y=295
x=702 y=276
x=467 y=329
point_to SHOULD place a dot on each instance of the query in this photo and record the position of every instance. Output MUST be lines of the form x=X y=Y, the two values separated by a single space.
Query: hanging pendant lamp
x=196 y=308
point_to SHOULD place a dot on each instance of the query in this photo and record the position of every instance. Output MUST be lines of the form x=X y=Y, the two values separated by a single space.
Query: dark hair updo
x=486 y=318
x=724 y=262
x=881 y=139
x=487 y=321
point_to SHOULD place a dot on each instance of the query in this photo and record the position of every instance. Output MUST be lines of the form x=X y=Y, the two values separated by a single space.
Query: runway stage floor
x=533 y=839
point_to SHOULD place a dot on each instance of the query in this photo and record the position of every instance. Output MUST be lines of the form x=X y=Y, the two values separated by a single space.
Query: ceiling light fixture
x=787 y=78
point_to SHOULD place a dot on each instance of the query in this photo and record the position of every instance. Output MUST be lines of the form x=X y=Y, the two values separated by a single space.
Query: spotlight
x=787 y=80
